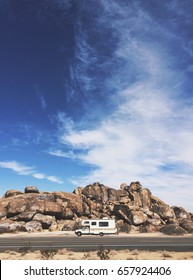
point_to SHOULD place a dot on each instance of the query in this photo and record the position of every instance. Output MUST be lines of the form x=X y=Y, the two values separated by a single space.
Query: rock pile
x=133 y=207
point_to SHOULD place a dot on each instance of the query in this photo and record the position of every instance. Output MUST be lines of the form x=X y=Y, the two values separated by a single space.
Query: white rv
x=97 y=227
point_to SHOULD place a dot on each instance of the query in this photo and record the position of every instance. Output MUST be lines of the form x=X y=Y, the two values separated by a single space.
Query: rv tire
x=101 y=234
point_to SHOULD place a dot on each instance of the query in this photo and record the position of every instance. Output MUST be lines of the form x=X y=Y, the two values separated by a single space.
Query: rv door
x=86 y=230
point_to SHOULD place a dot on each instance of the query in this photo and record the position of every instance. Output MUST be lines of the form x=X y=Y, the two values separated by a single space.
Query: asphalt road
x=85 y=243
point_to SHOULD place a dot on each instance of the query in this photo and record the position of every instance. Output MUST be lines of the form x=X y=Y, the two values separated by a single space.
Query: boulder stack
x=133 y=207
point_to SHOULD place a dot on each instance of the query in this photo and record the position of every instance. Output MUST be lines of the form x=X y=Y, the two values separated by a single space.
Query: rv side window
x=103 y=224
x=93 y=223
x=86 y=222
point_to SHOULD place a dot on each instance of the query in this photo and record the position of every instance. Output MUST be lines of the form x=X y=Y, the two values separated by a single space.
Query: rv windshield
x=85 y=227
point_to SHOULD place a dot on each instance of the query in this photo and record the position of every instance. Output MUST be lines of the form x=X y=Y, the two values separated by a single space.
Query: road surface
x=95 y=242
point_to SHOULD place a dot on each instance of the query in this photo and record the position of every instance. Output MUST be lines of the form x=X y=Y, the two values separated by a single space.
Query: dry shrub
x=103 y=254
x=124 y=227
x=87 y=255
x=48 y=254
x=25 y=249
x=165 y=254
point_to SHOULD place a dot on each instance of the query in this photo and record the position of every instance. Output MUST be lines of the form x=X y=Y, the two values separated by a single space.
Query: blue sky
x=97 y=91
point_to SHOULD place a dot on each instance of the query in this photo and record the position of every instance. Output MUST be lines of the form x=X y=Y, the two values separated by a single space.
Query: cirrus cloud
x=147 y=133
x=25 y=170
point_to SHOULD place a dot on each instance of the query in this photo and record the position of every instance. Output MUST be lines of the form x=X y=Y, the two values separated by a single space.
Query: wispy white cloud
x=23 y=134
x=40 y=97
x=43 y=102
x=54 y=179
x=148 y=134
x=39 y=175
x=17 y=167
x=60 y=153
x=147 y=139
x=25 y=170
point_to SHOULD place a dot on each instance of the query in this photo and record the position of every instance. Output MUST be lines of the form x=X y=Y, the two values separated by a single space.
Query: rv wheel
x=79 y=233
x=101 y=234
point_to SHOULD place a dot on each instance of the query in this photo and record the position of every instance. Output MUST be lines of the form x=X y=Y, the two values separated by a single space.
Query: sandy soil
x=64 y=254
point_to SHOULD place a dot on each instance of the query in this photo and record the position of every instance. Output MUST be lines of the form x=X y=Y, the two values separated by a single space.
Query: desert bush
x=166 y=254
x=48 y=254
x=103 y=254
x=87 y=255
x=124 y=227
x=25 y=249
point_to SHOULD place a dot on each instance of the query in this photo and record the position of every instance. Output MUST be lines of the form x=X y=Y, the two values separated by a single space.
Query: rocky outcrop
x=173 y=230
x=10 y=226
x=25 y=216
x=10 y=193
x=133 y=207
x=181 y=213
x=2 y=211
x=138 y=217
x=32 y=226
x=31 y=189
x=187 y=224
x=164 y=211
x=45 y=220
x=134 y=187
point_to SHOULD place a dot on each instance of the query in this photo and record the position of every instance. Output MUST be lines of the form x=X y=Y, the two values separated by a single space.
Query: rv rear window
x=86 y=222
x=103 y=224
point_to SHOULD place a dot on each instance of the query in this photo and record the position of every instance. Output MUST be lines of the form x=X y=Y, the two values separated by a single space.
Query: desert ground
x=65 y=254
x=100 y=254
